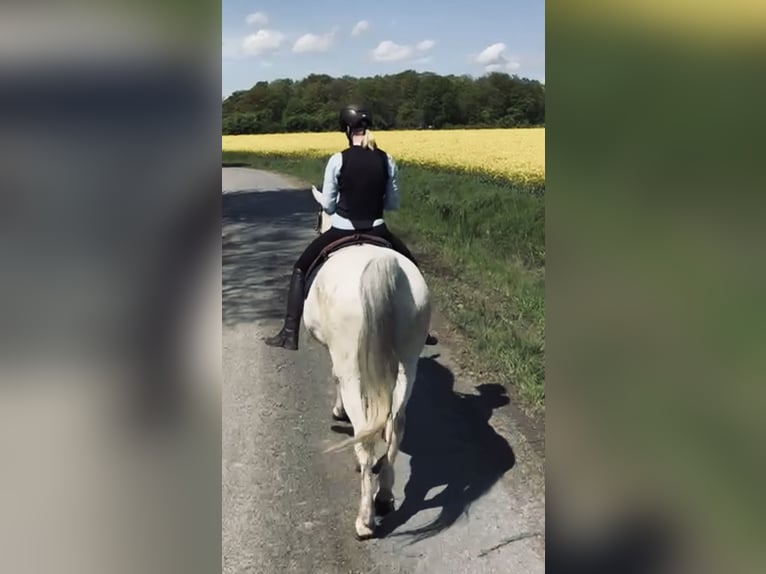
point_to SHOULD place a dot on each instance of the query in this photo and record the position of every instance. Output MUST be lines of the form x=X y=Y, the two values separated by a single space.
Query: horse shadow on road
x=451 y=445
x=263 y=233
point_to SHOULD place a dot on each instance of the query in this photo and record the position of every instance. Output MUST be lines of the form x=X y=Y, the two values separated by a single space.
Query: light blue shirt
x=330 y=194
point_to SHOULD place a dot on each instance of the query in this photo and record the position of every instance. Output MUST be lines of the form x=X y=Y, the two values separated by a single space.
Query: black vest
x=362 y=183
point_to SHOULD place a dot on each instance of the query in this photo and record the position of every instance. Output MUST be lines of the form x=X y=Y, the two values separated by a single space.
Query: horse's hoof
x=362 y=538
x=384 y=507
x=342 y=418
x=363 y=533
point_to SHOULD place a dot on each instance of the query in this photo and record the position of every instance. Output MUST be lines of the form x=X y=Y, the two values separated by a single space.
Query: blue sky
x=269 y=39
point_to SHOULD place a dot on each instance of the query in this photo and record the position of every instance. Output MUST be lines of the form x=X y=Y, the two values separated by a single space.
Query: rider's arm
x=392 y=190
x=330 y=185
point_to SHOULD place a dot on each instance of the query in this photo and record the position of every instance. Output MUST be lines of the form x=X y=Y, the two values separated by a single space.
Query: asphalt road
x=469 y=489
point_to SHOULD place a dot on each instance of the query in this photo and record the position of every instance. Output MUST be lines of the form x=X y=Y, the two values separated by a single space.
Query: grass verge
x=481 y=244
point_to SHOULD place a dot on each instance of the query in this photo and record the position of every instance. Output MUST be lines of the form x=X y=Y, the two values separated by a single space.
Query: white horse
x=370 y=307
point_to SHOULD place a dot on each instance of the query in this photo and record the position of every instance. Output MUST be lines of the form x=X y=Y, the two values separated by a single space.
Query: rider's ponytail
x=368 y=142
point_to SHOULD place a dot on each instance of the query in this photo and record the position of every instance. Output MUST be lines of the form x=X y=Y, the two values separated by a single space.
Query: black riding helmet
x=354 y=117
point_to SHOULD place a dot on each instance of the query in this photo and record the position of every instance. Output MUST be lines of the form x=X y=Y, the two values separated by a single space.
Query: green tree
x=407 y=100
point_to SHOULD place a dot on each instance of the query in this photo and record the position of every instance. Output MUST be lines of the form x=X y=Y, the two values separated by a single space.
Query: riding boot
x=288 y=336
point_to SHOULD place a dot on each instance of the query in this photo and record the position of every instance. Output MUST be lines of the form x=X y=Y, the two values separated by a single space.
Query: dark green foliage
x=408 y=100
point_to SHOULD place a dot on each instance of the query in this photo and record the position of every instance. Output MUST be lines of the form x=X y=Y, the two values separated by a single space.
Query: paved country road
x=469 y=489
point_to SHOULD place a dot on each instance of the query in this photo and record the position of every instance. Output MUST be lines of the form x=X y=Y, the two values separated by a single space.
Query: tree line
x=408 y=100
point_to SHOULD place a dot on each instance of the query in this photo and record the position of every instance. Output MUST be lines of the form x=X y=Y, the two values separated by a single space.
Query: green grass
x=481 y=244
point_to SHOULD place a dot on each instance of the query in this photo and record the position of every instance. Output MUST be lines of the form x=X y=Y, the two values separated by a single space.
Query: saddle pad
x=355 y=239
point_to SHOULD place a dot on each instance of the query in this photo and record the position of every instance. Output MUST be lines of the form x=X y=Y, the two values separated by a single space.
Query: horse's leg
x=364 y=521
x=384 y=499
x=364 y=450
x=338 y=412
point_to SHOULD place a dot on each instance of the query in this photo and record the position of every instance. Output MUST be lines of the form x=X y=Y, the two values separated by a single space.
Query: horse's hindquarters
x=370 y=307
x=334 y=306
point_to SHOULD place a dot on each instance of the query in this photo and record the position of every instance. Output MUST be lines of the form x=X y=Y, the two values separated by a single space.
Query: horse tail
x=376 y=352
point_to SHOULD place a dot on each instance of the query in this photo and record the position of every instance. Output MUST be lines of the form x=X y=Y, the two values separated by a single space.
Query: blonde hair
x=368 y=139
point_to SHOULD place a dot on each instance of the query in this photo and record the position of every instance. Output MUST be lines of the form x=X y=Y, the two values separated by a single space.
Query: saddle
x=355 y=239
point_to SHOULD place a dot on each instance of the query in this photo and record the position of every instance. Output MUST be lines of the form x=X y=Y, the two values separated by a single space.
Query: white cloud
x=388 y=51
x=261 y=42
x=359 y=27
x=257 y=18
x=314 y=42
x=494 y=59
x=491 y=54
x=425 y=45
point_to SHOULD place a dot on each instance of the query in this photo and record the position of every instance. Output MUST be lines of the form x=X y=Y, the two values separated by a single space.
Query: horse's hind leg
x=338 y=411
x=384 y=499
x=365 y=456
x=364 y=525
x=339 y=414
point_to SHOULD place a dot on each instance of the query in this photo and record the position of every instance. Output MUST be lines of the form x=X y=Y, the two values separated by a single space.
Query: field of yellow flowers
x=516 y=154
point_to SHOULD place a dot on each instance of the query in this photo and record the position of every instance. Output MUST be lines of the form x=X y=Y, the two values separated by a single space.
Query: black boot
x=288 y=336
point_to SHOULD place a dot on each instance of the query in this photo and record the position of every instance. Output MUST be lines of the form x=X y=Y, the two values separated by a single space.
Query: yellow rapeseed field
x=518 y=154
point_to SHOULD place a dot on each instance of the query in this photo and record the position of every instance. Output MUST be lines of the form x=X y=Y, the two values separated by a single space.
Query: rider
x=359 y=184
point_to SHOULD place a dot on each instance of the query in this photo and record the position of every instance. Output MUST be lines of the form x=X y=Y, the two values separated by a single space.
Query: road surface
x=469 y=489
